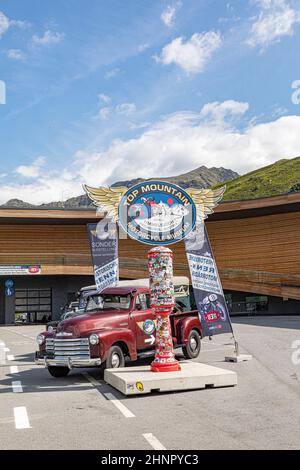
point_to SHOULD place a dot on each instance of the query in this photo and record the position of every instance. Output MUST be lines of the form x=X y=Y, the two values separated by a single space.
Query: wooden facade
x=256 y=244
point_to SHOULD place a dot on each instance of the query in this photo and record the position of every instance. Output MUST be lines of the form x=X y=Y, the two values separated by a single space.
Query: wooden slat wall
x=258 y=254
x=60 y=249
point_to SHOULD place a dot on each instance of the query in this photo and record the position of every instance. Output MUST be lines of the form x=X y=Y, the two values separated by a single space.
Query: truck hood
x=79 y=326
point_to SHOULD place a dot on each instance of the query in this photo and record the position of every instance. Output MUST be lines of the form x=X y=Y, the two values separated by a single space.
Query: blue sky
x=101 y=91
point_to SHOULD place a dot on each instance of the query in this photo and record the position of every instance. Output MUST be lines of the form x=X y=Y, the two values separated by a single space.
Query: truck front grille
x=77 y=348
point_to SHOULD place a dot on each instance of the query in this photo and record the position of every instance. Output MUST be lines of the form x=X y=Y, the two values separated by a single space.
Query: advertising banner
x=104 y=249
x=19 y=270
x=207 y=287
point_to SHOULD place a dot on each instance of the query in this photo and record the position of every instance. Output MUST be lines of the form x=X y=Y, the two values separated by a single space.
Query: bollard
x=160 y=264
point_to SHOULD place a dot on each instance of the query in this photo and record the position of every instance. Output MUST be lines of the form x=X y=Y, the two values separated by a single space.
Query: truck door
x=144 y=321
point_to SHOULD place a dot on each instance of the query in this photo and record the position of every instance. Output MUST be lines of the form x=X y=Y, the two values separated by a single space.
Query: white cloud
x=139 y=125
x=218 y=111
x=184 y=141
x=47 y=188
x=104 y=113
x=16 y=54
x=4 y=24
x=276 y=19
x=122 y=109
x=20 y=24
x=49 y=37
x=32 y=171
x=176 y=144
x=193 y=54
x=126 y=109
x=104 y=99
x=143 y=47
x=112 y=73
x=169 y=14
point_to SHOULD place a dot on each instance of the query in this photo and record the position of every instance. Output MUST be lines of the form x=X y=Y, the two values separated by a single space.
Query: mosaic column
x=160 y=264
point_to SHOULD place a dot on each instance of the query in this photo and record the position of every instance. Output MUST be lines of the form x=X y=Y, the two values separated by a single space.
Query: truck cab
x=117 y=323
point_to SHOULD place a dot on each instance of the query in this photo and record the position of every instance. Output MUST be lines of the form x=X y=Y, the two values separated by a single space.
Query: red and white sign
x=20 y=270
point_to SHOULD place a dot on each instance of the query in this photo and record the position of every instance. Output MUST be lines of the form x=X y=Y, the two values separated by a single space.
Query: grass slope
x=279 y=178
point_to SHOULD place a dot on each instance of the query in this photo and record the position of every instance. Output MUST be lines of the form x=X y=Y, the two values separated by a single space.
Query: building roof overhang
x=283 y=203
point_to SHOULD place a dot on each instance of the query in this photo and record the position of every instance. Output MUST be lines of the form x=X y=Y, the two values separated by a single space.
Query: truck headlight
x=40 y=339
x=50 y=329
x=93 y=339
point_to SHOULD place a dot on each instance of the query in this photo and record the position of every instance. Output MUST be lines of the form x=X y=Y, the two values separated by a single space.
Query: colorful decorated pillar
x=160 y=264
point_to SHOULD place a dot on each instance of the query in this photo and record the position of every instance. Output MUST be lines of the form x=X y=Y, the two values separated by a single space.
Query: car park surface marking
x=17 y=386
x=63 y=387
x=154 y=442
x=2 y=353
x=91 y=379
x=18 y=333
x=124 y=410
x=21 y=418
x=57 y=408
x=14 y=369
x=10 y=357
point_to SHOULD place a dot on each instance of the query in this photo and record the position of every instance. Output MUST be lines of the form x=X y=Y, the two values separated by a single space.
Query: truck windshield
x=108 y=302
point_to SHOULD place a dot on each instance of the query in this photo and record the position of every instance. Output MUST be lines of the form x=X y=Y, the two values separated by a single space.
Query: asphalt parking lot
x=80 y=411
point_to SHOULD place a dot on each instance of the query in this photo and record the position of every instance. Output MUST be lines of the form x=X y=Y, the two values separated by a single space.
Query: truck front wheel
x=58 y=371
x=115 y=358
x=192 y=349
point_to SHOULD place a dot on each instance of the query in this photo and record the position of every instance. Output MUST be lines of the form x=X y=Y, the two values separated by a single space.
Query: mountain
x=281 y=177
x=18 y=204
x=202 y=177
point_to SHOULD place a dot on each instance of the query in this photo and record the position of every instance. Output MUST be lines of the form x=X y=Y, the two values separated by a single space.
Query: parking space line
x=213 y=349
x=14 y=369
x=124 y=410
x=21 y=418
x=10 y=357
x=17 y=333
x=154 y=442
x=6 y=349
x=63 y=387
x=17 y=386
x=2 y=353
x=91 y=379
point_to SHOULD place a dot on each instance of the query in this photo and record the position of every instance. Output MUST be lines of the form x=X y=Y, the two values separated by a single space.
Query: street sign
x=9 y=291
x=9 y=283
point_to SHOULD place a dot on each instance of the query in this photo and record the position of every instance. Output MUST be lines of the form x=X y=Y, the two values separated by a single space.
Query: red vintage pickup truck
x=117 y=323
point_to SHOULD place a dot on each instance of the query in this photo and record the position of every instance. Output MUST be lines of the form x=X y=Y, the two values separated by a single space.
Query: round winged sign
x=155 y=212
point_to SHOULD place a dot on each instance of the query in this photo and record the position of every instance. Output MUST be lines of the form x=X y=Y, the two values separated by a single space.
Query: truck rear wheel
x=58 y=371
x=193 y=347
x=115 y=358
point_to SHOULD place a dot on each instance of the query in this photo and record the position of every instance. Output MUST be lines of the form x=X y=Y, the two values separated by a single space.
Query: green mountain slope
x=279 y=178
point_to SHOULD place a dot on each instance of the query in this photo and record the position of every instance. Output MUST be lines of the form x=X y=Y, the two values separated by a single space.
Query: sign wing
x=107 y=199
x=205 y=200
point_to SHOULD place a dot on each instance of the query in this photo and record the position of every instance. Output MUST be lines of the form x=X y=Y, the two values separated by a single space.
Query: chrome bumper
x=68 y=362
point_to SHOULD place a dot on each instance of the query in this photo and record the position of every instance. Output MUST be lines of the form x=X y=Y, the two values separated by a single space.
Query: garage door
x=33 y=305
